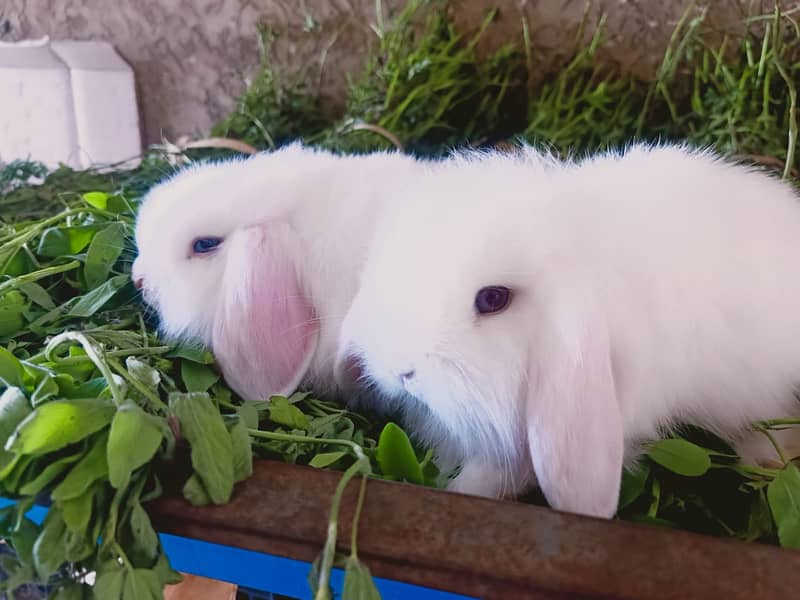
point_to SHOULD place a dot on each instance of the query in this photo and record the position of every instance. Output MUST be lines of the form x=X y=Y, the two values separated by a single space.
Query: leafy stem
x=774 y=442
x=362 y=465
x=40 y=274
x=289 y=437
x=94 y=352
x=71 y=360
x=151 y=396
x=362 y=492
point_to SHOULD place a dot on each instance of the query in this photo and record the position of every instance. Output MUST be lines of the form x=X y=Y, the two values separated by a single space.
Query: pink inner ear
x=265 y=331
x=575 y=430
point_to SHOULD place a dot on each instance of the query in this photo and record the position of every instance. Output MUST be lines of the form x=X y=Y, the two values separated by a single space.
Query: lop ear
x=265 y=331
x=574 y=422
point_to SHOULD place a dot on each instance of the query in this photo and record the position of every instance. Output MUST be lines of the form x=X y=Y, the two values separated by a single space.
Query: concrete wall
x=193 y=57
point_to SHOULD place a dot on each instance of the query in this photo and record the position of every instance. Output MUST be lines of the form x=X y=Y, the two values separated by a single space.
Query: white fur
x=682 y=269
x=329 y=201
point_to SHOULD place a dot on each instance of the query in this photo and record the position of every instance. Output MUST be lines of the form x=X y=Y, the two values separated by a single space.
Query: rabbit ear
x=573 y=417
x=265 y=330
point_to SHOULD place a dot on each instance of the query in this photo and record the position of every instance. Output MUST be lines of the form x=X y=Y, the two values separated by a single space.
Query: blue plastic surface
x=260 y=571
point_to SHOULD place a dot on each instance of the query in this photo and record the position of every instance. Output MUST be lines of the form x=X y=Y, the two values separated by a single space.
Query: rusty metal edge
x=484 y=548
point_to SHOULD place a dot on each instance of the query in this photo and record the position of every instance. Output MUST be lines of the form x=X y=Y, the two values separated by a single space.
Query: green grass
x=426 y=88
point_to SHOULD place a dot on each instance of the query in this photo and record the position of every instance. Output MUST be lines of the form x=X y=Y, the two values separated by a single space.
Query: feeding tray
x=479 y=547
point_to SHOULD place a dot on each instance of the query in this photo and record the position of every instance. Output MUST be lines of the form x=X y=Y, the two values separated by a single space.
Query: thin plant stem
x=774 y=443
x=362 y=492
x=40 y=274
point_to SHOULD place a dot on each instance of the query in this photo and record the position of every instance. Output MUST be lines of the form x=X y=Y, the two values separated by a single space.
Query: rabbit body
x=649 y=288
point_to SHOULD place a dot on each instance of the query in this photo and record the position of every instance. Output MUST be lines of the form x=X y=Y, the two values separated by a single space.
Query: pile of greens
x=102 y=416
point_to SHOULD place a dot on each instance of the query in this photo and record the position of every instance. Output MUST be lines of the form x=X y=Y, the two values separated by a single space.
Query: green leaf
x=396 y=456
x=633 y=483
x=282 y=412
x=13 y=307
x=242 y=451
x=145 y=538
x=326 y=459
x=211 y=446
x=134 y=439
x=71 y=591
x=97 y=199
x=14 y=407
x=143 y=372
x=59 y=241
x=197 y=377
x=104 y=250
x=76 y=546
x=9 y=259
x=46 y=475
x=48 y=552
x=92 y=467
x=165 y=572
x=358 y=583
x=36 y=294
x=783 y=494
x=141 y=584
x=191 y=351
x=23 y=540
x=78 y=511
x=759 y=522
x=46 y=389
x=59 y=423
x=109 y=582
x=91 y=388
x=249 y=413
x=90 y=303
x=195 y=492
x=10 y=369
x=680 y=456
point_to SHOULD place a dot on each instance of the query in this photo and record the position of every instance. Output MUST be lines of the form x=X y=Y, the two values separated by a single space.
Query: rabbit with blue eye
x=258 y=258
x=540 y=320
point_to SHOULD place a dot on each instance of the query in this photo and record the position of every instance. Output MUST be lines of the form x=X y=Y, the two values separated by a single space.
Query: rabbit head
x=250 y=258
x=454 y=310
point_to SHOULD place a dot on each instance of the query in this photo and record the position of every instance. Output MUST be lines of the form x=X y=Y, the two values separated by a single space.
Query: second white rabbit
x=537 y=316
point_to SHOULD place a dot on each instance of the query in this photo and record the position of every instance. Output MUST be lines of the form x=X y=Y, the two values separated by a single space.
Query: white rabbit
x=258 y=258
x=552 y=317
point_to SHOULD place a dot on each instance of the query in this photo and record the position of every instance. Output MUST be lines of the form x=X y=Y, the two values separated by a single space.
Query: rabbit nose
x=138 y=283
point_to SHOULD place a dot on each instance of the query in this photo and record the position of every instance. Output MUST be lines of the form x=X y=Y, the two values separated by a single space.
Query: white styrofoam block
x=103 y=93
x=37 y=119
x=70 y=102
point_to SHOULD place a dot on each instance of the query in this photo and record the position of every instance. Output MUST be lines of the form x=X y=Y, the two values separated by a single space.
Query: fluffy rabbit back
x=700 y=256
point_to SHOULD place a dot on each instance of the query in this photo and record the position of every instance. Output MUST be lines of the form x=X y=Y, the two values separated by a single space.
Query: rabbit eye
x=492 y=299
x=205 y=245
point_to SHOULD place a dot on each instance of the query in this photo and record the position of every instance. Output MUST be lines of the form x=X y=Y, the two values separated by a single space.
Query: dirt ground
x=193 y=57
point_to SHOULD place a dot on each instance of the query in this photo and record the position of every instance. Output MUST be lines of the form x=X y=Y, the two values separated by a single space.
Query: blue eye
x=206 y=244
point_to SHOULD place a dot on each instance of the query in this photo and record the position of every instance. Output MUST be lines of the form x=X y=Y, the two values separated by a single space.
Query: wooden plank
x=200 y=588
x=485 y=548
